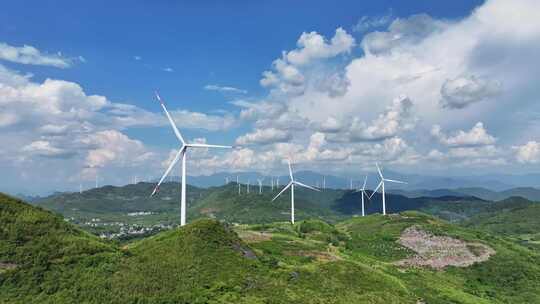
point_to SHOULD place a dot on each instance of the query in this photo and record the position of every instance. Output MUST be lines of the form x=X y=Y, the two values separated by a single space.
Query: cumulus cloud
x=224 y=89
x=46 y=149
x=395 y=119
x=263 y=137
x=460 y=92
x=476 y=136
x=197 y=120
x=287 y=77
x=528 y=153
x=27 y=54
x=312 y=46
x=110 y=146
x=402 y=32
x=371 y=22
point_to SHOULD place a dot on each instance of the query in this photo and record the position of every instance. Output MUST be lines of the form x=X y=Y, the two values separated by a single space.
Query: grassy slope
x=225 y=204
x=206 y=262
x=54 y=261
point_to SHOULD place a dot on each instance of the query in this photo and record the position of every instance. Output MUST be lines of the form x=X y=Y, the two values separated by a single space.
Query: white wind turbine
x=291 y=184
x=381 y=184
x=260 y=180
x=363 y=193
x=182 y=152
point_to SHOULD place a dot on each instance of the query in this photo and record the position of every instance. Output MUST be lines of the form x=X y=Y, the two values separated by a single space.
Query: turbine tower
x=260 y=180
x=381 y=184
x=182 y=153
x=248 y=186
x=291 y=184
x=363 y=193
x=238 y=183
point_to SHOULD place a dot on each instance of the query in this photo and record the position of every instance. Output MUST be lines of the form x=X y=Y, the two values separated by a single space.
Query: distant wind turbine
x=260 y=180
x=381 y=184
x=182 y=153
x=238 y=183
x=363 y=193
x=291 y=184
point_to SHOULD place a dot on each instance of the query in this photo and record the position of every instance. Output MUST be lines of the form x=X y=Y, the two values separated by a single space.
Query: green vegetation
x=44 y=259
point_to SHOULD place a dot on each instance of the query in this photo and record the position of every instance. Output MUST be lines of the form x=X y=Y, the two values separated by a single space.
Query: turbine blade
x=306 y=186
x=394 y=181
x=178 y=135
x=207 y=146
x=171 y=165
x=290 y=169
x=375 y=191
x=365 y=193
x=365 y=181
x=379 y=169
x=286 y=187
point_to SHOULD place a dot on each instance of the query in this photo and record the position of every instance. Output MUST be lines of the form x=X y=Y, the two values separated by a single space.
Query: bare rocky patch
x=7 y=266
x=254 y=236
x=441 y=251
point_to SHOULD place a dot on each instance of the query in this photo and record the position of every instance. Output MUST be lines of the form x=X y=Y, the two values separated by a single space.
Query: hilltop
x=402 y=258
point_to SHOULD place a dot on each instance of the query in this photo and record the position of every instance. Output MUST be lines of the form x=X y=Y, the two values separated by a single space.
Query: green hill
x=407 y=258
x=514 y=217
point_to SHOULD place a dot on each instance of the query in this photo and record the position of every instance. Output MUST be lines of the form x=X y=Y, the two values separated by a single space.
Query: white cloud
x=476 y=136
x=287 y=77
x=224 y=89
x=395 y=119
x=528 y=153
x=137 y=58
x=167 y=69
x=462 y=91
x=402 y=32
x=312 y=46
x=370 y=22
x=113 y=146
x=27 y=54
x=263 y=137
x=46 y=149
x=197 y=120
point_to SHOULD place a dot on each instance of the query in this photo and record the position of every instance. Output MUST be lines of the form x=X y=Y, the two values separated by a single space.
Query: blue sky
x=204 y=42
x=207 y=58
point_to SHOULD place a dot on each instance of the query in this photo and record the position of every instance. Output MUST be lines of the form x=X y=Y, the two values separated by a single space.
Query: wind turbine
x=182 y=153
x=260 y=180
x=248 y=185
x=291 y=184
x=381 y=184
x=363 y=193
x=238 y=183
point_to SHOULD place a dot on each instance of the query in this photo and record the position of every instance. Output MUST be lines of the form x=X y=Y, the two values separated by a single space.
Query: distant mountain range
x=414 y=181
x=529 y=193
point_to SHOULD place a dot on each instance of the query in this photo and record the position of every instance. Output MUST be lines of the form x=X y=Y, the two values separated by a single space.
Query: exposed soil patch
x=7 y=266
x=441 y=251
x=254 y=236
